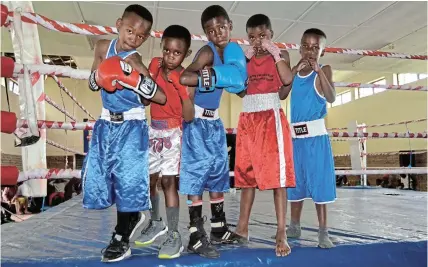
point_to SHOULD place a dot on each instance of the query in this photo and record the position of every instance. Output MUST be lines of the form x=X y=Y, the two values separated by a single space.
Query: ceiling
x=388 y=26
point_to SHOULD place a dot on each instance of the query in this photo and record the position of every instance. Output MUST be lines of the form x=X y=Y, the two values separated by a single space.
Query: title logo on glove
x=126 y=68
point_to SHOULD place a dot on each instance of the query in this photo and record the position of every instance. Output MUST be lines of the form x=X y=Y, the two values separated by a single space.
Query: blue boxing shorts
x=116 y=168
x=204 y=159
x=313 y=164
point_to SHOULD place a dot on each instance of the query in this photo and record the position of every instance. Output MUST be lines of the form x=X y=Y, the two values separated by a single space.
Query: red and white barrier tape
x=65 y=71
x=55 y=105
x=380 y=125
x=383 y=86
x=61 y=85
x=58 y=125
x=378 y=135
x=377 y=171
x=60 y=71
x=68 y=173
x=389 y=171
x=52 y=143
x=48 y=174
x=86 y=29
x=366 y=135
x=89 y=126
x=383 y=153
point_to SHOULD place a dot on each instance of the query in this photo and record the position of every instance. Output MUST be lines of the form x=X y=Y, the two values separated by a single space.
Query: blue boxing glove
x=232 y=75
x=206 y=80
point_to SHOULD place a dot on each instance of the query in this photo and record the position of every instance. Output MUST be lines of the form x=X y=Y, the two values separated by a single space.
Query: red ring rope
x=86 y=29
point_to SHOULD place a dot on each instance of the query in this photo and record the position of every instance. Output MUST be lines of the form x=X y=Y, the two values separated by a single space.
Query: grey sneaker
x=151 y=232
x=172 y=247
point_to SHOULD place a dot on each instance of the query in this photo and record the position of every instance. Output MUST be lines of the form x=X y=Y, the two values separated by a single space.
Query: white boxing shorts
x=164 y=150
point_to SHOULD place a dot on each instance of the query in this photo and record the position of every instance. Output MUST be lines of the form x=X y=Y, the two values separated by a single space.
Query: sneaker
x=136 y=225
x=172 y=247
x=220 y=233
x=117 y=250
x=198 y=241
x=154 y=230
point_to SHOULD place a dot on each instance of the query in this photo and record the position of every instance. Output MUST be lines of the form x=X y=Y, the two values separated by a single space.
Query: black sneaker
x=198 y=242
x=220 y=233
x=117 y=250
x=135 y=225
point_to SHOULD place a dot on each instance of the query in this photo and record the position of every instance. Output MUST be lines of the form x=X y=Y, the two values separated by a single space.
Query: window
x=13 y=86
x=342 y=98
x=363 y=92
x=380 y=82
x=405 y=78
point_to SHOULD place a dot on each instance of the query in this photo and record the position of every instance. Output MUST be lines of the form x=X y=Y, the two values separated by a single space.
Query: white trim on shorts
x=308 y=129
x=201 y=113
x=325 y=202
x=138 y=113
x=281 y=153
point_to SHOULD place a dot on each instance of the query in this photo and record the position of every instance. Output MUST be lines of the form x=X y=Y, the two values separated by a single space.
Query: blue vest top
x=306 y=103
x=121 y=100
x=210 y=100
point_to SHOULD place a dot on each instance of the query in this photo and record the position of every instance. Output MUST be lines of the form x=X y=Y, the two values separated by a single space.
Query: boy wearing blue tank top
x=116 y=168
x=312 y=88
x=204 y=164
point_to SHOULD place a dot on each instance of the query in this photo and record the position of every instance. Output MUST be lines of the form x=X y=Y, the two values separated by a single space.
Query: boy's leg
x=324 y=185
x=172 y=247
x=244 y=173
x=294 y=230
x=280 y=198
x=247 y=200
x=323 y=237
x=198 y=241
x=156 y=227
x=130 y=183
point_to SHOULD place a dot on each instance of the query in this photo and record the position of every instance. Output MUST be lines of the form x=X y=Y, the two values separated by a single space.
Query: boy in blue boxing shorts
x=116 y=169
x=204 y=162
x=312 y=88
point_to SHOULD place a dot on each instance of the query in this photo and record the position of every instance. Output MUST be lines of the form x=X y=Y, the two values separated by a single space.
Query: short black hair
x=213 y=11
x=179 y=32
x=258 y=20
x=315 y=31
x=140 y=11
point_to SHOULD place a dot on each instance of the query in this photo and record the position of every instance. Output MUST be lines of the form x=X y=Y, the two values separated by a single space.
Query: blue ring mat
x=370 y=227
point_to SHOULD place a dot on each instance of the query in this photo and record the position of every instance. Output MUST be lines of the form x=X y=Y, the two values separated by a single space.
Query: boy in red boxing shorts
x=264 y=156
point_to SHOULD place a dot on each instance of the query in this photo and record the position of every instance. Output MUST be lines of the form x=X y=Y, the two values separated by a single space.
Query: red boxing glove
x=174 y=78
x=154 y=67
x=107 y=74
x=114 y=73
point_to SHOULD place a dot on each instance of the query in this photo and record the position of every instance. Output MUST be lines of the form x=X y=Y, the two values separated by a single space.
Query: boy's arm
x=186 y=95
x=100 y=51
x=324 y=81
x=188 y=106
x=190 y=75
x=285 y=74
x=136 y=62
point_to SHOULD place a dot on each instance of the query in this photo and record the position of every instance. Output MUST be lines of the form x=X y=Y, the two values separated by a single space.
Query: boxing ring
x=370 y=226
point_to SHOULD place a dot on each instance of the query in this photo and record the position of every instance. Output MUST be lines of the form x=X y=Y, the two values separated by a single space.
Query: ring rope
x=384 y=153
x=381 y=125
x=65 y=71
x=62 y=86
x=359 y=135
x=89 y=126
x=86 y=29
x=52 y=143
x=69 y=173
x=45 y=97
